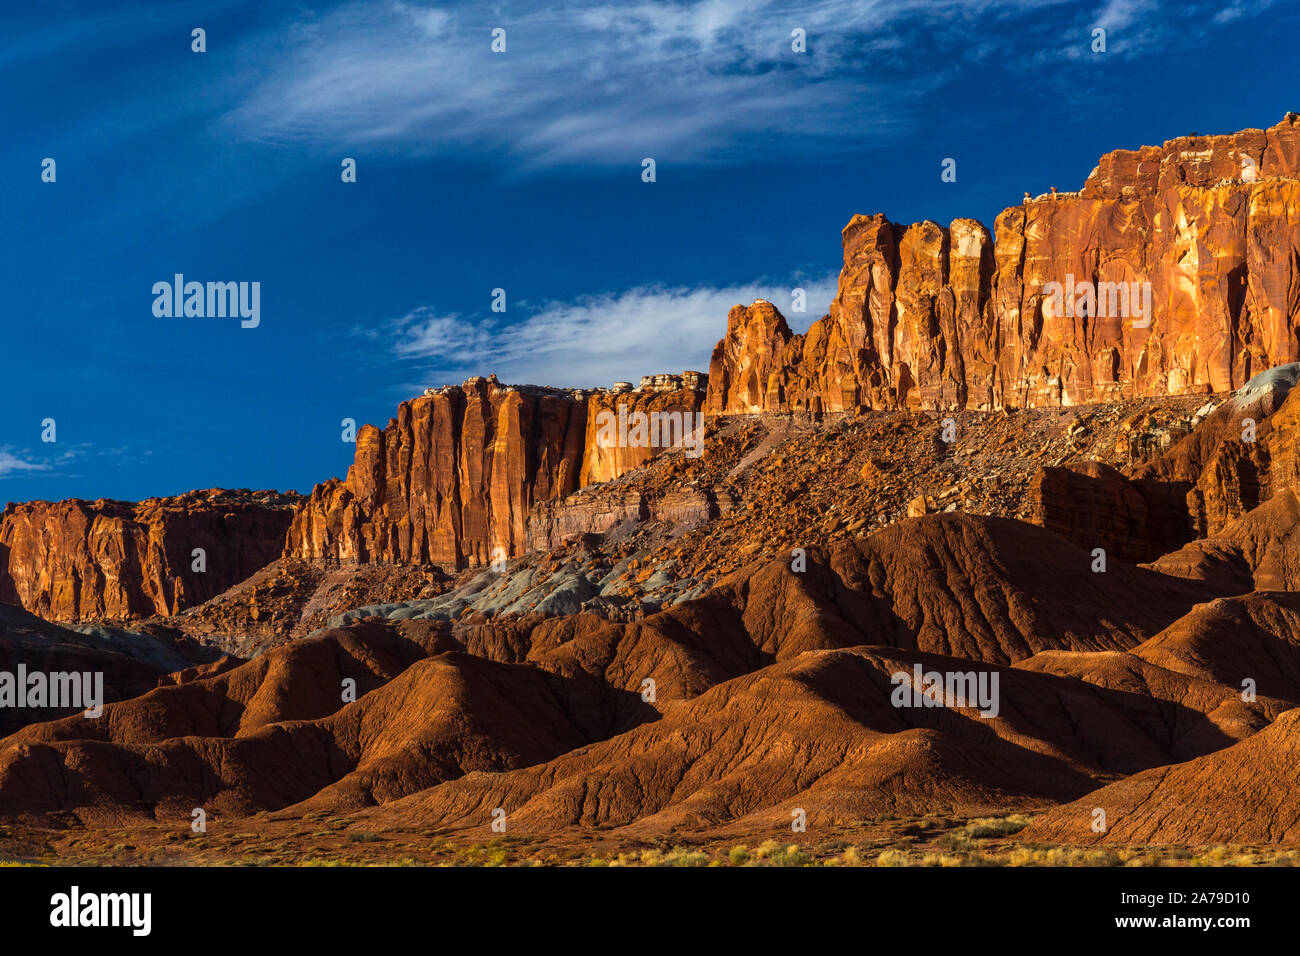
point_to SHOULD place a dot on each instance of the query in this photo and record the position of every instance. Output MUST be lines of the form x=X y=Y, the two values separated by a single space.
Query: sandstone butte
x=932 y=317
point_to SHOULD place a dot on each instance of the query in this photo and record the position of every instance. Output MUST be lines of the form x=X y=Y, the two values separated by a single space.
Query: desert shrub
x=790 y=855
x=851 y=857
x=893 y=858
x=957 y=840
x=996 y=826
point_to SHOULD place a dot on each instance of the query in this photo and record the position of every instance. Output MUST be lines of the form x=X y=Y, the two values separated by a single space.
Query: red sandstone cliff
x=664 y=414
x=450 y=480
x=77 y=560
x=933 y=318
x=924 y=316
x=457 y=474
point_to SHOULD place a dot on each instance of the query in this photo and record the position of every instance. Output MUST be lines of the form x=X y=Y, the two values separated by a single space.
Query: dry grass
x=935 y=839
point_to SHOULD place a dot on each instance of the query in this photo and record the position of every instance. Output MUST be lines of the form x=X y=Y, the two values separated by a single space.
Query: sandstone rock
x=1094 y=506
x=871 y=473
x=593 y=511
x=453 y=479
x=1242 y=453
x=920 y=505
x=610 y=447
x=449 y=481
x=934 y=317
x=750 y=360
x=76 y=560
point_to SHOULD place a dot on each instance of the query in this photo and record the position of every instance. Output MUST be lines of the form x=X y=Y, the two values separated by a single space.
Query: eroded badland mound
x=955 y=563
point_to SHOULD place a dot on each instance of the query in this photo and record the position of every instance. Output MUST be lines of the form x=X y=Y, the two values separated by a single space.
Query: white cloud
x=599 y=82
x=1244 y=8
x=1118 y=14
x=594 y=340
x=1137 y=28
x=13 y=464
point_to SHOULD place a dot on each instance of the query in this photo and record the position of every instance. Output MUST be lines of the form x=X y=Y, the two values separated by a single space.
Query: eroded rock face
x=612 y=445
x=1094 y=506
x=457 y=716
x=453 y=479
x=934 y=317
x=1239 y=454
x=594 y=511
x=449 y=481
x=598 y=509
x=77 y=560
x=1243 y=454
x=750 y=367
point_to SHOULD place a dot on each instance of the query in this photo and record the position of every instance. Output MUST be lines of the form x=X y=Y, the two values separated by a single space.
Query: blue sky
x=518 y=170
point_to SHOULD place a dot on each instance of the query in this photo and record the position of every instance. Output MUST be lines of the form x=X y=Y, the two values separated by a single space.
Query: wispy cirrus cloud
x=63 y=460
x=1242 y=9
x=591 y=81
x=14 y=463
x=593 y=340
x=1139 y=28
x=604 y=82
x=1119 y=14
